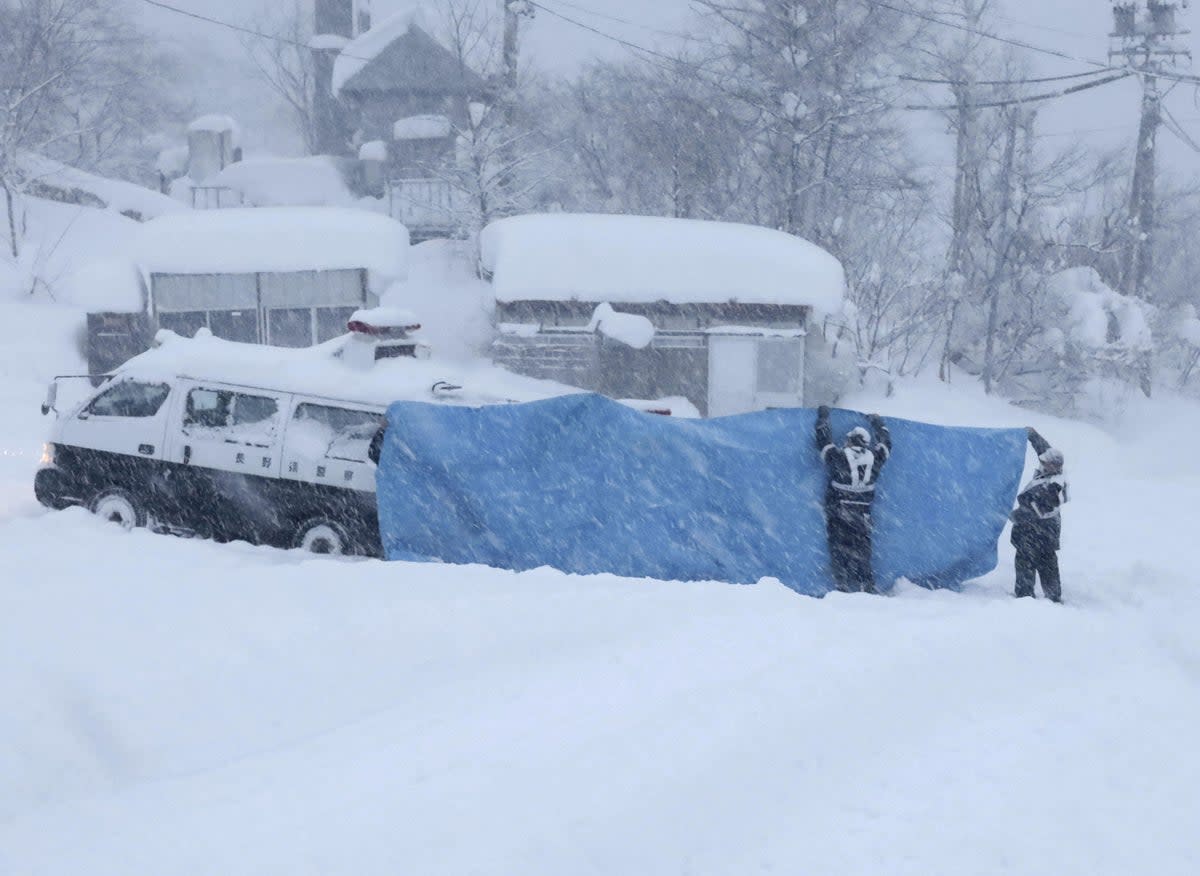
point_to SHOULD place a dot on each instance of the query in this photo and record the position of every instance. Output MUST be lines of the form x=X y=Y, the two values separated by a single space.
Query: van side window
x=233 y=417
x=129 y=398
x=331 y=432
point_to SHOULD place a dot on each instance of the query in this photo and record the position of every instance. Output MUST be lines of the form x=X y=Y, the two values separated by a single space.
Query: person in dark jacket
x=1037 y=522
x=852 y=472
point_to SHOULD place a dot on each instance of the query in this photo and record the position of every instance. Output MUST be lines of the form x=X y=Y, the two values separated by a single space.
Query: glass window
x=779 y=366
x=290 y=326
x=184 y=324
x=249 y=409
x=235 y=325
x=130 y=399
x=234 y=417
x=336 y=433
x=207 y=408
x=331 y=322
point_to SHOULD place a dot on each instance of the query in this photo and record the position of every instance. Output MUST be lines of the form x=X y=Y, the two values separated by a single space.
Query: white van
x=241 y=441
x=226 y=461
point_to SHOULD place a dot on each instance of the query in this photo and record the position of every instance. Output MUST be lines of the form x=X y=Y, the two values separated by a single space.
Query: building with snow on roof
x=647 y=307
x=392 y=86
x=288 y=277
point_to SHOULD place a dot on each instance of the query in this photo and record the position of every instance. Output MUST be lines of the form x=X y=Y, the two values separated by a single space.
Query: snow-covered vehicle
x=242 y=441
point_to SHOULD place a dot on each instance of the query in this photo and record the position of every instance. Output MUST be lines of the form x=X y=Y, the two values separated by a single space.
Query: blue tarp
x=585 y=484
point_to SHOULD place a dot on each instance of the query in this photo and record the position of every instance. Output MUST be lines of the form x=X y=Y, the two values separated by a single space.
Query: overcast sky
x=1105 y=116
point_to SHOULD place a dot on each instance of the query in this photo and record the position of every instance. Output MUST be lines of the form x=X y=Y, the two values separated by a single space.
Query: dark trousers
x=850 y=551
x=1038 y=564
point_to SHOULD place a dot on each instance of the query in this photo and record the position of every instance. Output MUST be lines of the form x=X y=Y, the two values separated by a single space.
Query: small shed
x=288 y=277
x=649 y=307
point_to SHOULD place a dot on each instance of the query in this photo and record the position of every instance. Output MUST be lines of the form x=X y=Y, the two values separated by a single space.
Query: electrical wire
x=1028 y=81
x=608 y=36
x=954 y=25
x=1033 y=98
x=676 y=63
x=238 y=28
x=1173 y=125
x=617 y=19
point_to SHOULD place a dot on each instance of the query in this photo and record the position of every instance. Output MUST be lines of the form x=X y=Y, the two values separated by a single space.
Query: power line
x=1033 y=98
x=1032 y=47
x=609 y=36
x=1175 y=128
x=617 y=19
x=240 y=28
x=1026 y=81
x=1021 y=44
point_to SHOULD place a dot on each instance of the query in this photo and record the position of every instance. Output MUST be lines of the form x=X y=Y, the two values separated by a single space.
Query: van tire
x=118 y=506
x=320 y=535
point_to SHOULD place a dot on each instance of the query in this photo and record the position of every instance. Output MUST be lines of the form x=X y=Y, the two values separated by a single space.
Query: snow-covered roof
x=373 y=150
x=367 y=46
x=643 y=259
x=315 y=181
x=250 y=240
x=218 y=124
x=424 y=127
x=172 y=161
x=399 y=55
x=119 y=196
x=318 y=371
x=324 y=42
x=112 y=285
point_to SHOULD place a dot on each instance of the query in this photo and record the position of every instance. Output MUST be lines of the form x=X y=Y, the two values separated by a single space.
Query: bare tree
x=812 y=78
x=651 y=140
x=78 y=82
x=288 y=66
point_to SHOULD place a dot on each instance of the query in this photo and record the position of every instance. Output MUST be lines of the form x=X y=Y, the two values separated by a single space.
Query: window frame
x=90 y=411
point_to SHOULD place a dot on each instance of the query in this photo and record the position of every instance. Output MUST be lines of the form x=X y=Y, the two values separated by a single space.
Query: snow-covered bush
x=1093 y=348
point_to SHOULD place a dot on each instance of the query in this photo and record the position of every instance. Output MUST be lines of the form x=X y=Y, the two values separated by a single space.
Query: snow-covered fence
x=427 y=206
x=215 y=197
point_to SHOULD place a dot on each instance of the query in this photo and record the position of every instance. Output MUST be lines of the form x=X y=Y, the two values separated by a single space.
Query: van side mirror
x=51 y=398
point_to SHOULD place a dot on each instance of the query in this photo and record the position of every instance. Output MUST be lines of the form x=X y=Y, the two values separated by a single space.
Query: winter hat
x=1052 y=460
x=858 y=436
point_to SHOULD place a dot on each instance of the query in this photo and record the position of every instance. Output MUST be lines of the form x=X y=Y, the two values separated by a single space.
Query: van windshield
x=129 y=398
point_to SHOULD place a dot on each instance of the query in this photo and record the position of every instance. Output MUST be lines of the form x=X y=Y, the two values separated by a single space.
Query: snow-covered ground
x=178 y=706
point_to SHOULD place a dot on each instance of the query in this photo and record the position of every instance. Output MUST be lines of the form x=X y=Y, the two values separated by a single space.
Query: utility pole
x=514 y=11
x=963 y=212
x=1146 y=34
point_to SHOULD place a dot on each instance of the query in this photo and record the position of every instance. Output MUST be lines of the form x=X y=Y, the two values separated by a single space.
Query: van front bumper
x=55 y=489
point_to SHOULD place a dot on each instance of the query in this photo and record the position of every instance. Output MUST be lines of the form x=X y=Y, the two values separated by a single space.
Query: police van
x=226 y=440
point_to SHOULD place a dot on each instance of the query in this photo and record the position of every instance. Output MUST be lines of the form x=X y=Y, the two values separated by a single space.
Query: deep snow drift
x=178 y=706
x=188 y=707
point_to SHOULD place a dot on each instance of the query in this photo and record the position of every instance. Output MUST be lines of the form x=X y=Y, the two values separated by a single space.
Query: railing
x=425 y=204
x=215 y=197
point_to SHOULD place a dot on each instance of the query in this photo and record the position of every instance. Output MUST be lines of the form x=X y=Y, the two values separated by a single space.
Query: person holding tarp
x=1037 y=522
x=852 y=471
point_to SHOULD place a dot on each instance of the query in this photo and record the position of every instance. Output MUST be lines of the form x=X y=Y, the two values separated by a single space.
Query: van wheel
x=322 y=536
x=120 y=507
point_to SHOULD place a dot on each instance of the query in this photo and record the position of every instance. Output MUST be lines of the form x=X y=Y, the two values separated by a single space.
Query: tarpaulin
x=584 y=484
